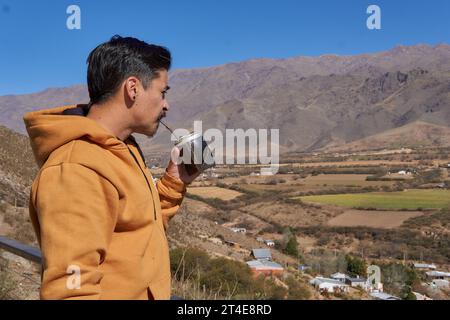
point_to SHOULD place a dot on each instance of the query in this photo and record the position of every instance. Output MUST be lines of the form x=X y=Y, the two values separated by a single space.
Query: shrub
x=356 y=266
x=297 y=291
x=227 y=277
x=292 y=246
x=186 y=261
x=7 y=284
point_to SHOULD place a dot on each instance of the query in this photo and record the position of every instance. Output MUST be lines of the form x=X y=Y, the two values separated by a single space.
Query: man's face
x=151 y=105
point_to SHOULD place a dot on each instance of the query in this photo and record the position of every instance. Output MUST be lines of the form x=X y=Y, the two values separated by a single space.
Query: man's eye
x=164 y=94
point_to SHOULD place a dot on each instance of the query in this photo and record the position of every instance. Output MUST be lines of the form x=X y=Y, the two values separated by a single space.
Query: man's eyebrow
x=167 y=88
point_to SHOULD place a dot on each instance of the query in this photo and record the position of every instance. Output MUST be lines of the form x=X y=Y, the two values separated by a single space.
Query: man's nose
x=166 y=105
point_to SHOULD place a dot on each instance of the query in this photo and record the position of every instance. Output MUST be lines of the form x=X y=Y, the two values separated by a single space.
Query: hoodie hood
x=51 y=128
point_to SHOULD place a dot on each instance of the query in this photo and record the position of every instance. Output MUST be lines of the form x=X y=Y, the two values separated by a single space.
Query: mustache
x=162 y=115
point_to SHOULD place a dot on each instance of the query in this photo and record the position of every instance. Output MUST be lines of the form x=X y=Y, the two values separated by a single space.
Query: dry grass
x=292 y=215
x=214 y=192
x=16 y=224
x=19 y=278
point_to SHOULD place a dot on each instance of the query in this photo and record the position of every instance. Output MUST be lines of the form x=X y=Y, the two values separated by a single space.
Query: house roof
x=264 y=265
x=339 y=275
x=437 y=274
x=319 y=280
x=424 y=265
x=356 y=279
x=383 y=296
x=262 y=254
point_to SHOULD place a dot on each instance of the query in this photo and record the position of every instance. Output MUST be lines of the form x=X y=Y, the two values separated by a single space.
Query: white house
x=439 y=283
x=357 y=282
x=269 y=243
x=383 y=296
x=353 y=282
x=438 y=275
x=239 y=230
x=424 y=266
x=329 y=285
x=339 y=276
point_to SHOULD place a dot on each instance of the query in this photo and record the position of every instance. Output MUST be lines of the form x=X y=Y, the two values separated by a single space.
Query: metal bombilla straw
x=167 y=127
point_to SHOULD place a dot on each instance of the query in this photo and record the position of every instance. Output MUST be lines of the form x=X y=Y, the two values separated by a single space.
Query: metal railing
x=32 y=253
x=22 y=250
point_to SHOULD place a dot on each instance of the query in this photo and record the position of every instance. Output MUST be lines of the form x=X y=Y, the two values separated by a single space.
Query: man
x=99 y=218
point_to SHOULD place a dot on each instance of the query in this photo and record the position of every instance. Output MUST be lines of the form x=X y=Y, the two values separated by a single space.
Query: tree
x=292 y=246
x=356 y=266
x=407 y=293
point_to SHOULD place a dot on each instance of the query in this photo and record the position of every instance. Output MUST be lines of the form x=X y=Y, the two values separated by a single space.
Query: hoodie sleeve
x=77 y=211
x=171 y=193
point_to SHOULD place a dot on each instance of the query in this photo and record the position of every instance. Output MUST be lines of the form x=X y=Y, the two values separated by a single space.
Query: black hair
x=112 y=62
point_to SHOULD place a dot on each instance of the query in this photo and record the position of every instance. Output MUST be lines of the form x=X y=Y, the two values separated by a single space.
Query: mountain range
x=321 y=102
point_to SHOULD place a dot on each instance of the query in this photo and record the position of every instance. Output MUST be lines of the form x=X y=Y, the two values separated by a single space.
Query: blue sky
x=37 y=50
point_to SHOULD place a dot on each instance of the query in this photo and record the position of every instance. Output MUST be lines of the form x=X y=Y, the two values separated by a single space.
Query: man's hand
x=179 y=171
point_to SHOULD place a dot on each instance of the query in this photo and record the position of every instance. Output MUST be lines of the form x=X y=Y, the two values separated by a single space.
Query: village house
x=440 y=283
x=263 y=263
x=339 y=276
x=424 y=266
x=265 y=267
x=357 y=282
x=329 y=285
x=439 y=279
x=262 y=254
x=303 y=268
x=353 y=282
x=440 y=275
x=239 y=230
x=383 y=296
x=232 y=244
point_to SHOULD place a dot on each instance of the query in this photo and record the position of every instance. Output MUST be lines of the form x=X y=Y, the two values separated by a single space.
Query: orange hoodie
x=99 y=218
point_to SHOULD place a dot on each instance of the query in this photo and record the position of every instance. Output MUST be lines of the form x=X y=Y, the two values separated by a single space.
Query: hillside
x=315 y=101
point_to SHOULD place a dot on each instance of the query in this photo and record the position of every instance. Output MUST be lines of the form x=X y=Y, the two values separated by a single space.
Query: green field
x=409 y=200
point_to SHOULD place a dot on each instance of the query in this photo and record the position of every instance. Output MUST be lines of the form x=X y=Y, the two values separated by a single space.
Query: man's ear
x=131 y=88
